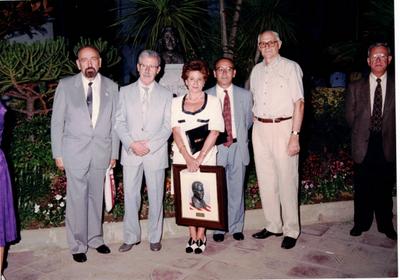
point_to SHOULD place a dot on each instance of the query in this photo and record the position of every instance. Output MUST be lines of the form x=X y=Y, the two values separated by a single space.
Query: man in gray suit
x=143 y=125
x=84 y=145
x=234 y=154
x=370 y=112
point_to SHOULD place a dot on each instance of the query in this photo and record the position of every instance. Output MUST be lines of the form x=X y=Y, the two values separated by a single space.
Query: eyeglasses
x=86 y=60
x=268 y=44
x=222 y=70
x=378 y=55
x=152 y=67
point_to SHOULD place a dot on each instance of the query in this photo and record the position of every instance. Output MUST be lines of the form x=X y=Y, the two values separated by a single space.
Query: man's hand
x=140 y=148
x=59 y=163
x=293 y=146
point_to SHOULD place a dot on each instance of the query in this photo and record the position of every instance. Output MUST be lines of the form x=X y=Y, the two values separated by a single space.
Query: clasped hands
x=139 y=148
x=193 y=164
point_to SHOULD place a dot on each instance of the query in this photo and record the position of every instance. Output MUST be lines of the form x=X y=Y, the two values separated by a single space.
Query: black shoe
x=80 y=257
x=201 y=246
x=264 y=234
x=103 y=249
x=391 y=234
x=191 y=246
x=288 y=242
x=218 y=237
x=355 y=231
x=238 y=236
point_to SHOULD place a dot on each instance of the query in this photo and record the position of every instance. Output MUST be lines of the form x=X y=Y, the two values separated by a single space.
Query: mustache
x=90 y=72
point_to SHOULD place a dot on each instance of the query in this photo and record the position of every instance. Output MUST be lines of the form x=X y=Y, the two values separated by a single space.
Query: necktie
x=89 y=98
x=376 y=117
x=145 y=101
x=226 y=113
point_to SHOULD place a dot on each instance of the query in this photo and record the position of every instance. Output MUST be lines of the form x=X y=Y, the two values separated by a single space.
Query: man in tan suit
x=370 y=112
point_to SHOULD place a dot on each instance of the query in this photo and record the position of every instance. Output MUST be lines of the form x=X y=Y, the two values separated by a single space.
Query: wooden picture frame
x=200 y=197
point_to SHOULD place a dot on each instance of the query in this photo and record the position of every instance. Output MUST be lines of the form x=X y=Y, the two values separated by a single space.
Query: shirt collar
x=220 y=89
x=141 y=85
x=86 y=81
x=373 y=77
x=273 y=63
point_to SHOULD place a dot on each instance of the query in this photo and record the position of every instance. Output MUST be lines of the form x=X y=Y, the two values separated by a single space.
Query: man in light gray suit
x=143 y=125
x=234 y=154
x=84 y=144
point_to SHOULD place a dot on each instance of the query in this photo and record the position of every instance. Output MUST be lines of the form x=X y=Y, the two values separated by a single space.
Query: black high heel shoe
x=201 y=246
x=191 y=246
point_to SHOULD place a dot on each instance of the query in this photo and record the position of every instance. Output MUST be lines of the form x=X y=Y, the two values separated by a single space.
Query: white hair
x=276 y=34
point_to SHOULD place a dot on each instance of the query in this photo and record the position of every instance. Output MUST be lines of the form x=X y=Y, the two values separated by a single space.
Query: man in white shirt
x=277 y=87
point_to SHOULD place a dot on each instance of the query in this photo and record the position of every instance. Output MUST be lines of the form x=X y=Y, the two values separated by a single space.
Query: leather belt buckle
x=275 y=120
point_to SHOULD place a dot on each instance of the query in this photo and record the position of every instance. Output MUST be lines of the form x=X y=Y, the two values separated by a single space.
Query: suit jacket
x=131 y=127
x=73 y=138
x=358 y=113
x=242 y=103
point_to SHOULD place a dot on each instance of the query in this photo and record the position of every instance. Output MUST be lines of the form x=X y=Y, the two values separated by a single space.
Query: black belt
x=275 y=120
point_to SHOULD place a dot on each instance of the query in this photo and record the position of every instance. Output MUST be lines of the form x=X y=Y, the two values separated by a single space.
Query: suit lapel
x=103 y=98
x=389 y=97
x=134 y=96
x=365 y=95
x=236 y=106
x=80 y=95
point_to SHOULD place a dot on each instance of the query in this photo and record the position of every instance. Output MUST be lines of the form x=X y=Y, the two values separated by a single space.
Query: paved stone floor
x=322 y=251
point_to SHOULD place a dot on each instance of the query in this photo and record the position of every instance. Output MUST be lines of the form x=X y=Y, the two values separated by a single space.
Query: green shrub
x=32 y=164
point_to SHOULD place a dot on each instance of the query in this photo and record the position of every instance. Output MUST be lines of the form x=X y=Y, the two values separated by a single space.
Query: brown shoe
x=155 y=246
x=126 y=247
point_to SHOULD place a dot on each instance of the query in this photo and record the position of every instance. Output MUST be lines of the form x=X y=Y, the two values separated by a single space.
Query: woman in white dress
x=193 y=110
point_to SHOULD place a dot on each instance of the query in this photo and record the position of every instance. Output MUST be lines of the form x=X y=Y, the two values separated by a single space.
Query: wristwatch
x=294 y=132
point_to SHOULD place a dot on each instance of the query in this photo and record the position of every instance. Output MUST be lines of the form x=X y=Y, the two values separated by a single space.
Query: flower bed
x=325 y=168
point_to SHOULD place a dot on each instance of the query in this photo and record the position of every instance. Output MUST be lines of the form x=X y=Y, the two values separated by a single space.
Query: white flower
x=62 y=204
x=50 y=205
x=58 y=197
x=37 y=208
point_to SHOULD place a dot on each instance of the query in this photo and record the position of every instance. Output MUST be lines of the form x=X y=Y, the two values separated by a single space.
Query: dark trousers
x=373 y=183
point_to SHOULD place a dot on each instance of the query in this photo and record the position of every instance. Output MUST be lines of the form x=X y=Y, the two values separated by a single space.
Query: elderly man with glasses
x=370 y=113
x=143 y=125
x=277 y=87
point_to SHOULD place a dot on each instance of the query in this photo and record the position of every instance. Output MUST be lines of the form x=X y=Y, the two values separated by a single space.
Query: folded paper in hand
x=109 y=189
x=197 y=136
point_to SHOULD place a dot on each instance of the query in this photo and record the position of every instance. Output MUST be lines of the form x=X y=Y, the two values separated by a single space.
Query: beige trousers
x=277 y=175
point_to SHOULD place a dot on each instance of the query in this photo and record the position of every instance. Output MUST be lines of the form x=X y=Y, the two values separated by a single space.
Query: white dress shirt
x=96 y=86
x=372 y=87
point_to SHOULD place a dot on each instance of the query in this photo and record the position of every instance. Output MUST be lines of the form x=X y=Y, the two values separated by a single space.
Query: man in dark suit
x=370 y=112
x=84 y=144
x=234 y=154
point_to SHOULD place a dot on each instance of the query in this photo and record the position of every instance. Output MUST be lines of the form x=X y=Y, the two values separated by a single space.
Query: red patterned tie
x=227 y=119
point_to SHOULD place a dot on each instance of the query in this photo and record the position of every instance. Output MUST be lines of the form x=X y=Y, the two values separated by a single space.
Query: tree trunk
x=224 y=36
x=233 y=34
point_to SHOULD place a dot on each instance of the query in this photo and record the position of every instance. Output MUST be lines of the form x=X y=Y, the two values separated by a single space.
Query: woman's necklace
x=197 y=98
